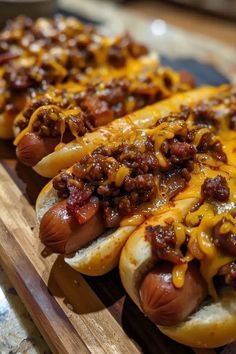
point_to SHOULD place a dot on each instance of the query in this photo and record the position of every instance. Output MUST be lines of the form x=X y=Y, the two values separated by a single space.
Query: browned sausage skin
x=32 y=148
x=166 y=305
x=61 y=232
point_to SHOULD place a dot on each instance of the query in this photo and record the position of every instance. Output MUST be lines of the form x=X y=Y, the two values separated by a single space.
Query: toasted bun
x=214 y=324
x=46 y=199
x=119 y=130
x=101 y=255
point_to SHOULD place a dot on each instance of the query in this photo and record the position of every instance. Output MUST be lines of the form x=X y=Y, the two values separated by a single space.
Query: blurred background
x=214 y=18
x=225 y=8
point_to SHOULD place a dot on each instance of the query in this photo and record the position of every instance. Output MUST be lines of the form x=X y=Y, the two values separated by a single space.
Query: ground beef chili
x=224 y=241
x=23 y=122
x=99 y=104
x=164 y=247
x=212 y=112
x=222 y=233
x=215 y=189
x=214 y=148
x=174 y=181
x=204 y=116
x=66 y=40
x=181 y=151
x=46 y=126
x=35 y=54
x=125 y=176
x=98 y=175
x=163 y=241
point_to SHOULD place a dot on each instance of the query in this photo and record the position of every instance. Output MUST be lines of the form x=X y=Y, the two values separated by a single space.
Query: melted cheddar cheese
x=132 y=71
x=198 y=226
x=134 y=220
x=178 y=274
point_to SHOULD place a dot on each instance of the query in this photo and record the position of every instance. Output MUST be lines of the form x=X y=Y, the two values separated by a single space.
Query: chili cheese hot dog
x=122 y=129
x=67 y=115
x=179 y=267
x=52 y=51
x=120 y=185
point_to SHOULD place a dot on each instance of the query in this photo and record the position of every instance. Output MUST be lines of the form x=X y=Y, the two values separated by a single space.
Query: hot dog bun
x=100 y=256
x=102 y=74
x=119 y=130
x=213 y=324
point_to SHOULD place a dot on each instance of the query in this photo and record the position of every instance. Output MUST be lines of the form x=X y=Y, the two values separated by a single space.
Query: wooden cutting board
x=75 y=314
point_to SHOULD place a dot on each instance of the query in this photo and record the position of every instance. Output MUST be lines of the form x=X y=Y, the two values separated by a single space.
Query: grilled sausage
x=32 y=148
x=166 y=305
x=61 y=232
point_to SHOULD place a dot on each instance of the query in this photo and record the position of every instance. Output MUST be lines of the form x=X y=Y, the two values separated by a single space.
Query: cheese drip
x=199 y=226
x=58 y=115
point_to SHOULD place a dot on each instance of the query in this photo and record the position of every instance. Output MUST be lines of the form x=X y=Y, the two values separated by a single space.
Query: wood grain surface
x=75 y=314
x=188 y=19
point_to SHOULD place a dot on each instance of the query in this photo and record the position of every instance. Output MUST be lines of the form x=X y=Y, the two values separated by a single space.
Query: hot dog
x=45 y=52
x=130 y=181
x=179 y=266
x=167 y=305
x=96 y=105
x=122 y=129
x=39 y=147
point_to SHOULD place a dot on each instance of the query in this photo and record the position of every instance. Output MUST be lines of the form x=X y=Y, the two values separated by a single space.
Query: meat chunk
x=209 y=145
x=97 y=110
x=216 y=189
x=204 y=116
x=163 y=240
x=225 y=240
x=181 y=151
